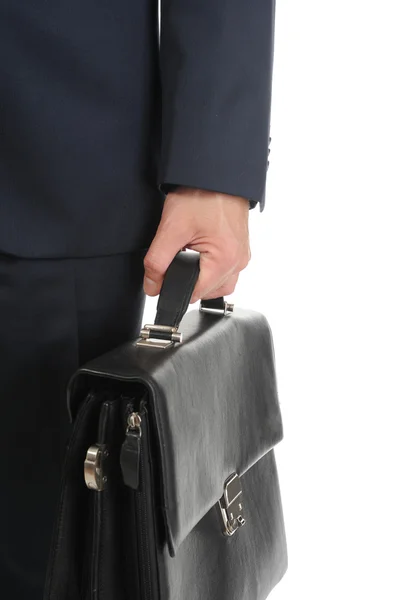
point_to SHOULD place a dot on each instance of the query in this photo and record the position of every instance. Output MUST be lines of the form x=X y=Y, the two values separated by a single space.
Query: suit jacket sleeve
x=216 y=60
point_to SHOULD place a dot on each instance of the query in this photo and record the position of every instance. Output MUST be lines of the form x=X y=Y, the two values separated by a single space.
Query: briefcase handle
x=178 y=286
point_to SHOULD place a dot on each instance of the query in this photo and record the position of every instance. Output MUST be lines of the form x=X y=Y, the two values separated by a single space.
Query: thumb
x=165 y=245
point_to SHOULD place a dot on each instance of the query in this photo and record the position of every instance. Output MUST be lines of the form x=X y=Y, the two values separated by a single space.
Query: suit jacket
x=100 y=118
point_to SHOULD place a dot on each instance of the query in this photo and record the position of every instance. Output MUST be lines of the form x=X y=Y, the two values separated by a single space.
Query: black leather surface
x=214 y=402
x=247 y=566
x=209 y=408
x=214 y=303
x=177 y=288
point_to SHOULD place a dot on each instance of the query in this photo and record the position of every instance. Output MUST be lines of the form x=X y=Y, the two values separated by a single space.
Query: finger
x=214 y=271
x=225 y=289
x=165 y=245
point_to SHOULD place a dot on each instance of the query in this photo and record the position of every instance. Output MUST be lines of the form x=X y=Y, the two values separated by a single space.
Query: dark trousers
x=55 y=314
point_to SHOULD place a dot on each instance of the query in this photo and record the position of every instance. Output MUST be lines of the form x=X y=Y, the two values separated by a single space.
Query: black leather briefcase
x=170 y=489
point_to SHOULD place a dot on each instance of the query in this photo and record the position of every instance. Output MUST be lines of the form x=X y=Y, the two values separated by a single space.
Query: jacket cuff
x=166 y=188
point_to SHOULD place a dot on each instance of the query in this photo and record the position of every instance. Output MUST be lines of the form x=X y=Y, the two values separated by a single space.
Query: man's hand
x=214 y=224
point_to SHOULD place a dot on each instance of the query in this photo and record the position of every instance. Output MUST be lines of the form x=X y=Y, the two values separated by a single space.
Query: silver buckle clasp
x=231 y=505
x=159 y=336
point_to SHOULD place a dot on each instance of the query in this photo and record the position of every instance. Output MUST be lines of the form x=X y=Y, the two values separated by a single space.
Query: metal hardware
x=231 y=505
x=131 y=451
x=94 y=468
x=134 y=422
x=164 y=336
x=159 y=336
x=226 y=311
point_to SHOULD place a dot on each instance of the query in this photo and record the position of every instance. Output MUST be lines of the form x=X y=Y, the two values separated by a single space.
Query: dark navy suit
x=99 y=119
x=93 y=118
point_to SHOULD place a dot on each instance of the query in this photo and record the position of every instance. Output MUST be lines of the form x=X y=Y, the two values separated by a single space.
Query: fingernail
x=150 y=286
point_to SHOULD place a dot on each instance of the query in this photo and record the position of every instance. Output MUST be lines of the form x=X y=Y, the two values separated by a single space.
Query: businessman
x=118 y=147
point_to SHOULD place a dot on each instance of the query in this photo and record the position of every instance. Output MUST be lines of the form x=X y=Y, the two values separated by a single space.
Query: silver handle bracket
x=226 y=311
x=159 y=336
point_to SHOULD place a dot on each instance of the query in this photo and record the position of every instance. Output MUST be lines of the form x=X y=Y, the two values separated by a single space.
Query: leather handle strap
x=178 y=286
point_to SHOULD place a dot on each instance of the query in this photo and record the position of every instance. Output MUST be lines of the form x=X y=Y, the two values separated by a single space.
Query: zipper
x=142 y=521
x=134 y=475
x=97 y=480
x=97 y=519
x=135 y=467
x=94 y=576
x=131 y=451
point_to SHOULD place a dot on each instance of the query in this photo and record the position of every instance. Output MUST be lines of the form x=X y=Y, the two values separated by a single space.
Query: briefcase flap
x=213 y=406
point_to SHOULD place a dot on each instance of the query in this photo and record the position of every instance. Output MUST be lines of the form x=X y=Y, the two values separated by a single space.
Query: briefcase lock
x=159 y=336
x=231 y=505
x=95 y=478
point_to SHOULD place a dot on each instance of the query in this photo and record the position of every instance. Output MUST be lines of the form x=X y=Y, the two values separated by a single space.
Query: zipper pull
x=130 y=451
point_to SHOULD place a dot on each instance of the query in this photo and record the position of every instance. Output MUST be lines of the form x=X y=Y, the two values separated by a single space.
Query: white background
x=324 y=271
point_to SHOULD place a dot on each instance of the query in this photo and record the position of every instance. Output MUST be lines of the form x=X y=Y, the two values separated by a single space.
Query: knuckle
x=229 y=289
x=239 y=257
x=212 y=295
x=243 y=264
x=152 y=265
x=228 y=261
x=224 y=290
x=245 y=257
